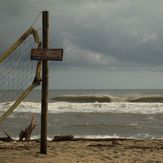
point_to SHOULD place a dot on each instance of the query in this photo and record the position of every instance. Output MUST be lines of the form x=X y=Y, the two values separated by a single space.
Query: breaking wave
x=96 y=107
x=101 y=99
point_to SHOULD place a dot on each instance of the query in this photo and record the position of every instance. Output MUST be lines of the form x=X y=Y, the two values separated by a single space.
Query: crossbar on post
x=44 y=104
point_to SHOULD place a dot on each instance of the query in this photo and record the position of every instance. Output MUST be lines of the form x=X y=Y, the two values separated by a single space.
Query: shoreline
x=96 y=151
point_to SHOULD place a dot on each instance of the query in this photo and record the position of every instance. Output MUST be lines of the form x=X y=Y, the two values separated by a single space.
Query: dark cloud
x=107 y=43
x=127 y=32
x=10 y=9
x=94 y=33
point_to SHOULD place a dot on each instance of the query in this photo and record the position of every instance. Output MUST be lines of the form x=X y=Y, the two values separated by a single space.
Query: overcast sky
x=108 y=44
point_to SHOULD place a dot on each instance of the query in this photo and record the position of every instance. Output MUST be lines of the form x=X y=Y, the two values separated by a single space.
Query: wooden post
x=44 y=104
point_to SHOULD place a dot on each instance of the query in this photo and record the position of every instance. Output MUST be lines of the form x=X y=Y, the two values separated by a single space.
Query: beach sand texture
x=130 y=151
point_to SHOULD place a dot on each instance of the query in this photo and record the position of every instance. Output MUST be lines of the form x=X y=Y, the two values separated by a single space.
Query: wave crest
x=85 y=99
x=107 y=99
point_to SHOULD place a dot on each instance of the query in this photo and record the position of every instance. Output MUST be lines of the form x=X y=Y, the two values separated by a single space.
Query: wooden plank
x=47 y=54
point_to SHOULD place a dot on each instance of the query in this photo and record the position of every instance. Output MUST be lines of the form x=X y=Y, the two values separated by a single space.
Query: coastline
x=87 y=151
x=112 y=114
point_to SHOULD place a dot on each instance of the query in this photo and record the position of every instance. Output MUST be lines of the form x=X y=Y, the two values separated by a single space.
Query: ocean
x=91 y=114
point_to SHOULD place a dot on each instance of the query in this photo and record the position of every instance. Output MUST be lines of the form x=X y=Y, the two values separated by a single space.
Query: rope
x=36 y=19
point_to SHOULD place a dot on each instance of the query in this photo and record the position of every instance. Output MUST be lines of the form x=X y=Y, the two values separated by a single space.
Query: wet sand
x=83 y=152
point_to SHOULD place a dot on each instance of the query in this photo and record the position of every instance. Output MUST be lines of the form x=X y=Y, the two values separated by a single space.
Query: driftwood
x=115 y=141
x=63 y=138
x=26 y=134
x=7 y=138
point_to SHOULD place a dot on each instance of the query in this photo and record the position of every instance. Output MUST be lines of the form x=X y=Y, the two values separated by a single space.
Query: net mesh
x=17 y=72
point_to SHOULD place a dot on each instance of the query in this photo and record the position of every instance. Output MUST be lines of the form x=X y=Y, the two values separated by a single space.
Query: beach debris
x=7 y=139
x=26 y=134
x=116 y=142
x=99 y=145
x=63 y=138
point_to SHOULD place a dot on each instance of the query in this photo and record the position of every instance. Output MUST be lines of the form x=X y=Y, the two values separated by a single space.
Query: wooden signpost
x=45 y=54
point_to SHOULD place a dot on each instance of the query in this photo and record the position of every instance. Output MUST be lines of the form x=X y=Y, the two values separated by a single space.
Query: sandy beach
x=83 y=152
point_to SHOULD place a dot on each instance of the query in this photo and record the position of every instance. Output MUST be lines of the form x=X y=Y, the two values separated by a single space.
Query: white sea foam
x=114 y=107
x=97 y=136
x=137 y=136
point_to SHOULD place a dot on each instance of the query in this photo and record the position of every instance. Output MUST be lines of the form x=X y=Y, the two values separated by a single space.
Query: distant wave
x=108 y=99
x=84 y=99
x=149 y=99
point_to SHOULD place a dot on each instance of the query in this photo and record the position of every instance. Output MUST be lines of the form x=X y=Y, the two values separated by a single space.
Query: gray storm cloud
x=94 y=33
x=125 y=33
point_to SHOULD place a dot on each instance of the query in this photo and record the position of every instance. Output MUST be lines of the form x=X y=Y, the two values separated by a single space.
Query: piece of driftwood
x=26 y=134
x=115 y=141
x=63 y=138
x=7 y=138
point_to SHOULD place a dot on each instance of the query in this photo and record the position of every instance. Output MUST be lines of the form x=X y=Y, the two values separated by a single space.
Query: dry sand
x=132 y=151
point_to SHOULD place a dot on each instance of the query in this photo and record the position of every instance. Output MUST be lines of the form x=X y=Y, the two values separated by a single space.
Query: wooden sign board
x=47 y=54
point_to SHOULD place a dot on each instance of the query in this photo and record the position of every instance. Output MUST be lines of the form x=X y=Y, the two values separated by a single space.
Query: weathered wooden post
x=44 y=103
x=45 y=54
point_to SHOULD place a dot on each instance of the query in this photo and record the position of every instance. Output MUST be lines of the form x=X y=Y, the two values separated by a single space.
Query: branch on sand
x=7 y=138
x=26 y=134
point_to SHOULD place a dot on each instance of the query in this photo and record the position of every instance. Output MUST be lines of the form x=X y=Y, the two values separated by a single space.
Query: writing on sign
x=47 y=54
